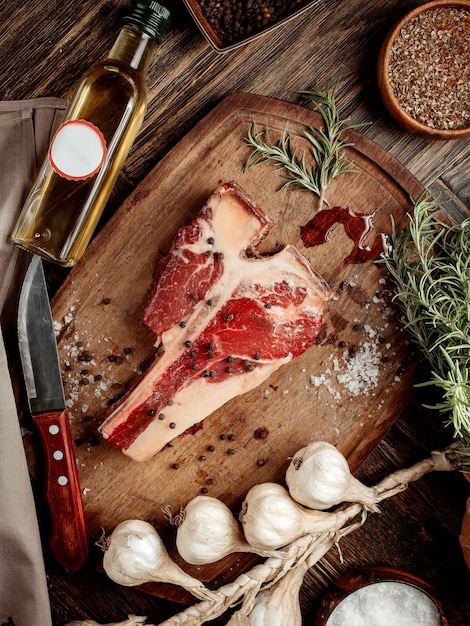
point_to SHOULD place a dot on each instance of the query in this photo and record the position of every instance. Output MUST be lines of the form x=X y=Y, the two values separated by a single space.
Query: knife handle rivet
x=62 y=480
x=53 y=429
x=58 y=455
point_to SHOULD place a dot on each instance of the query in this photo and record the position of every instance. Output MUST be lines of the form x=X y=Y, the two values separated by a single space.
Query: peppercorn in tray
x=234 y=20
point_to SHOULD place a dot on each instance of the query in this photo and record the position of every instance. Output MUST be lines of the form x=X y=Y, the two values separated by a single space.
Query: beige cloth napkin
x=25 y=132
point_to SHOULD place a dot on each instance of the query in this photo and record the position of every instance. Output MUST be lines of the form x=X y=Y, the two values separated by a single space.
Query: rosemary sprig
x=326 y=147
x=296 y=170
x=430 y=264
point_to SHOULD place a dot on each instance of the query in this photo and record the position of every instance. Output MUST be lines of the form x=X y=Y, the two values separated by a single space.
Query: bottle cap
x=150 y=17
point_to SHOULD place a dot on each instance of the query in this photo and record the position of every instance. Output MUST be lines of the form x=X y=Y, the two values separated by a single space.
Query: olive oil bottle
x=88 y=151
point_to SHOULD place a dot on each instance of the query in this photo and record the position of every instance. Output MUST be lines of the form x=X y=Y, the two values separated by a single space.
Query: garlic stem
x=208 y=531
x=132 y=620
x=272 y=519
x=319 y=477
x=135 y=554
x=277 y=605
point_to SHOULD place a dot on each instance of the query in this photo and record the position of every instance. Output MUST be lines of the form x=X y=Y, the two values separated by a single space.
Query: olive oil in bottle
x=88 y=151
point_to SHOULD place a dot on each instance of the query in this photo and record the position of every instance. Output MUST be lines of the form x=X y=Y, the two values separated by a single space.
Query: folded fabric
x=26 y=128
x=25 y=132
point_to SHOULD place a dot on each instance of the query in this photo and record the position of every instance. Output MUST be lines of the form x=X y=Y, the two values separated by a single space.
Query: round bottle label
x=77 y=150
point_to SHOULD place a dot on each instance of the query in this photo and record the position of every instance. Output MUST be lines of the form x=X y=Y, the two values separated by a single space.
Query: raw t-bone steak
x=225 y=320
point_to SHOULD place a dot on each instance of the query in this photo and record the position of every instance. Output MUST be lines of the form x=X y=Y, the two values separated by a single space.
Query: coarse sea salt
x=362 y=371
x=386 y=604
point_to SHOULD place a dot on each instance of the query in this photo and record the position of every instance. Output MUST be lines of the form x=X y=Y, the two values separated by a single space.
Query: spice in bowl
x=390 y=603
x=424 y=70
x=227 y=24
x=235 y=20
x=380 y=596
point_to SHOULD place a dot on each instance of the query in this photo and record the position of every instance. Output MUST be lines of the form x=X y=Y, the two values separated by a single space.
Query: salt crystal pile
x=386 y=604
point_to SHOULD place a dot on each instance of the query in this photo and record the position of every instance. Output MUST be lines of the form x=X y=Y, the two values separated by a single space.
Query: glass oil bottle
x=89 y=149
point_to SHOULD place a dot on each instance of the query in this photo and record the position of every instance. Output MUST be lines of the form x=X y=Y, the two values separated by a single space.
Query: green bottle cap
x=150 y=17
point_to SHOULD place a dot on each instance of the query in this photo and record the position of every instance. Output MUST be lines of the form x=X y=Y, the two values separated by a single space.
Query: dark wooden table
x=46 y=45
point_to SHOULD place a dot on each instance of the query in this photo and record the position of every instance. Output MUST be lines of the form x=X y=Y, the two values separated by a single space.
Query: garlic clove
x=272 y=519
x=319 y=478
x=135 y=554
x=208 y=531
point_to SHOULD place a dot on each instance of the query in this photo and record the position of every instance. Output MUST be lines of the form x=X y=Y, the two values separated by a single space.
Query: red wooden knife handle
x=69 y=540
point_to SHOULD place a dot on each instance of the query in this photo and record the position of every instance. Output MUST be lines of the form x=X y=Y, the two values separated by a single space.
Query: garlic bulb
x=135 y=554
x=319 y=477
x=208 y=532
x=272 y=519
x=132 y=620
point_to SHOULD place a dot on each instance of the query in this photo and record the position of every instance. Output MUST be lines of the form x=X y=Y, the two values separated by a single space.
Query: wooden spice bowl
x=387 y=92
x=363 y=577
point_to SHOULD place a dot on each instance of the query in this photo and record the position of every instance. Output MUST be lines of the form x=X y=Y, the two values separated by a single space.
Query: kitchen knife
x=43 y=382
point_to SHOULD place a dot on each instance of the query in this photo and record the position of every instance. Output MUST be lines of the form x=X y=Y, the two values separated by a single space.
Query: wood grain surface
x=45 y=47
x=98 y=314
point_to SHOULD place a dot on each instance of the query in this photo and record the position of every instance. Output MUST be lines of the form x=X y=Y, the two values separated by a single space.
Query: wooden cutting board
x=104 y=346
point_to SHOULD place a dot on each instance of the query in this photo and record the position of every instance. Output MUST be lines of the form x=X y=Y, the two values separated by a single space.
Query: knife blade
x=43 y=382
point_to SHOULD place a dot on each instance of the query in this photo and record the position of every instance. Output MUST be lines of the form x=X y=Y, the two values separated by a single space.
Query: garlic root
x=271 y=518
x=319 y=477
x=135 y=554
x=208 y=531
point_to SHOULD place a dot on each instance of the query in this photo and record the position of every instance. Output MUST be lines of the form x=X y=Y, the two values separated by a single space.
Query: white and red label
x=77 y=150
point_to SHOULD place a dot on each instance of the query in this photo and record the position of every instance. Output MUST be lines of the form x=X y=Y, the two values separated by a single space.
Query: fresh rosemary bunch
x=326 y=147
x=430 y=264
